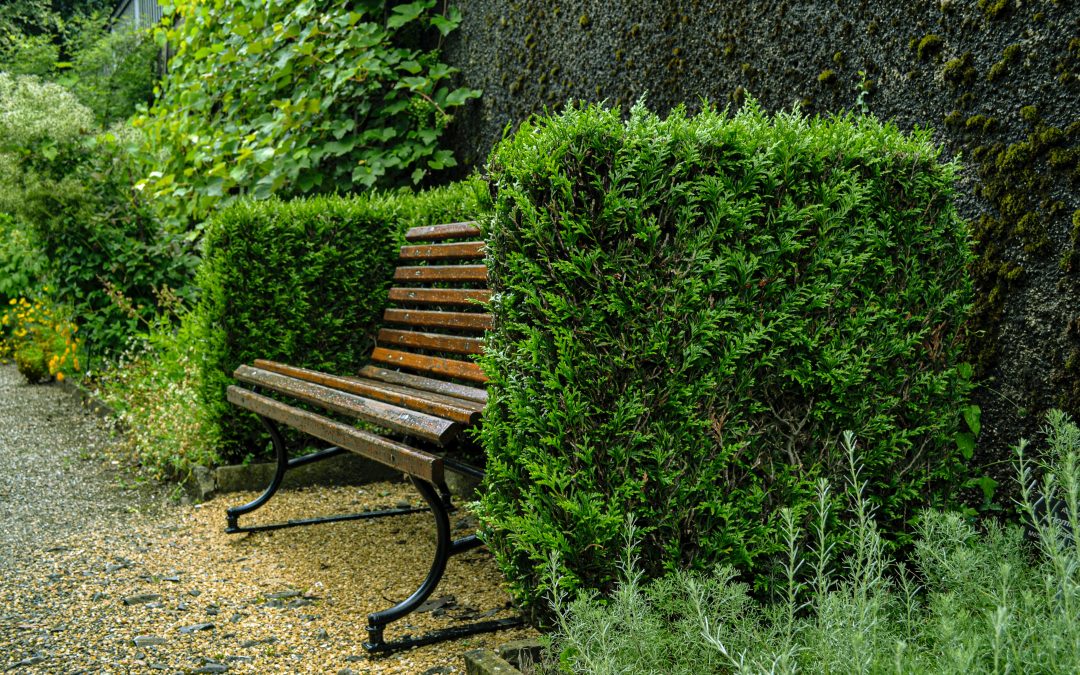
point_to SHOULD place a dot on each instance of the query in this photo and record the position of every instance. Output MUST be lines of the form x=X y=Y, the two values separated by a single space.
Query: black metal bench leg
x=233 y=514
x=377 y=620
x=445 y=548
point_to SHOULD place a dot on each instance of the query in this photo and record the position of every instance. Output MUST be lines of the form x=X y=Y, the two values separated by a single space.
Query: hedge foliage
x=304 y=282
x=689 y=312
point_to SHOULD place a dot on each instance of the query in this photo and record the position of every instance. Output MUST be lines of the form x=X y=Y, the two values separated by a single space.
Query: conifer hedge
x=304 y=282
x=688 y=313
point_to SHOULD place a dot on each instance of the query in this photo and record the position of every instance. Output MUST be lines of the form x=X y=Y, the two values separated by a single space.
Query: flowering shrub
x=40 y=338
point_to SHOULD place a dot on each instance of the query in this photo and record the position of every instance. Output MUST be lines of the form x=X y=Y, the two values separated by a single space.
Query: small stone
x=195 y=627
x=212 y=610
x=175 y=580
x=239 y=659
x=149 y=640
x=32 y=661
x=403 y=504
x=299 y=602
x=157 y=666
x=438 y=670
x=141 y=599
x=346 y=671
x=236 y=618
x=98 y=597
x=194 y=592
x=182 y=606
x=283 y=595
x=354 y=659
x=213 y=668
x=321 y=634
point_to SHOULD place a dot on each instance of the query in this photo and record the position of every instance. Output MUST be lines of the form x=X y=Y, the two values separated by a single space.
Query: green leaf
x=972 y=415
x=460 y=95
x=403 y=14
x=965 y=442
x=263 y=154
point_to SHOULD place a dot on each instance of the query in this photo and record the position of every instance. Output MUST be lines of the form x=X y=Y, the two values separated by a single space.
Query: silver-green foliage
x=980 y=598
x=687 y=308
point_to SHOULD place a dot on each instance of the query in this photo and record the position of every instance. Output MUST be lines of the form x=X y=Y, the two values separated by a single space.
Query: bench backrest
x=436 y=319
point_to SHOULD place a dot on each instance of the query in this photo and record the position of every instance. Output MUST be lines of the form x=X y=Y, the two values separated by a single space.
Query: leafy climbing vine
x=297 y=96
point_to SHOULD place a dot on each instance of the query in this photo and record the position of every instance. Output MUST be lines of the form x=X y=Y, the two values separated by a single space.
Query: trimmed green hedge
x=304 y=282
x=688 y=314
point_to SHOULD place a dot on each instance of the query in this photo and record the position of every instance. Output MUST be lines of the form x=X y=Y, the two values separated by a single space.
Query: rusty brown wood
x=383 y=450
x=441 y=296
x=439 y=232
x=412 y=422
x=466 y=412
x=435 y=341
x=420 y=317
x=435 y=365
x=441 y=273
x=443 y=387
x=454 y=401
x=462 y=250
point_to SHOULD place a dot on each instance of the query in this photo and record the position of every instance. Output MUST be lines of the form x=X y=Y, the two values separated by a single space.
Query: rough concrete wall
x=996 y=79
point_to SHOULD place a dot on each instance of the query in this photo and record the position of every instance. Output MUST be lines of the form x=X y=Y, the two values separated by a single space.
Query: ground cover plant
x=982 y=598
x=688 y=309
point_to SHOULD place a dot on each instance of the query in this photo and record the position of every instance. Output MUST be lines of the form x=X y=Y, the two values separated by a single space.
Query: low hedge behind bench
x=689 y=313
x=304 y=282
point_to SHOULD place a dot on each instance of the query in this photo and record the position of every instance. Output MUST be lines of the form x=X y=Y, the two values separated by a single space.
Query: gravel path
x=98 y=577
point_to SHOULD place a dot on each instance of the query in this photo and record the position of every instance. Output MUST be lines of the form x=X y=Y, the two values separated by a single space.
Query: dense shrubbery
x=689 y=311
x=972 y=602
x=113 y=73
x=303 y=282
x=69 y=186
x=293 y=97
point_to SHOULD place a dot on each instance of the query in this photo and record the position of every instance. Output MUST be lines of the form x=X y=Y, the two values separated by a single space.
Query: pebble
x=141 y=599
x=149 y=640
x=196 y=627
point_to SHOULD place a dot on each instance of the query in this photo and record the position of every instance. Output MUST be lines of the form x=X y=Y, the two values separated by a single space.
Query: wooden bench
x=421 y=391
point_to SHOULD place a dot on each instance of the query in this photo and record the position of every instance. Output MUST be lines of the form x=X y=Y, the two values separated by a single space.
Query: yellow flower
x=12 y=302
x=59 y=377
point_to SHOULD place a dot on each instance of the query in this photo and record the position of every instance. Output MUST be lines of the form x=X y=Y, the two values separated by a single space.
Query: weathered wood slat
x=397 y=455
x=455 y=344
x=452 y=401
x=440 y=296
x=439 y=232
x=441 y=273
x=412 y=422
x=465 y=412
x=462 y=250
x=425 y=383
x=420 y=317
x=463 y=370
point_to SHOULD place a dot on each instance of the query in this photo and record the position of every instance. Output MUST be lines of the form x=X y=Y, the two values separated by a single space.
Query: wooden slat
x=454 y=344
x=452 y=401
x=441 y=273
x=462 y=250
x=383 y=450
x=440 y=296
x=425 y=383
x=419 y=317
x=430 y=427
x=439 y=232
x=463 y=370
x=466 y=412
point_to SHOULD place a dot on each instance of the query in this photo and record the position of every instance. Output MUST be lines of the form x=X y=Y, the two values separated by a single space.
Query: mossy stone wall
x=999 y=81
